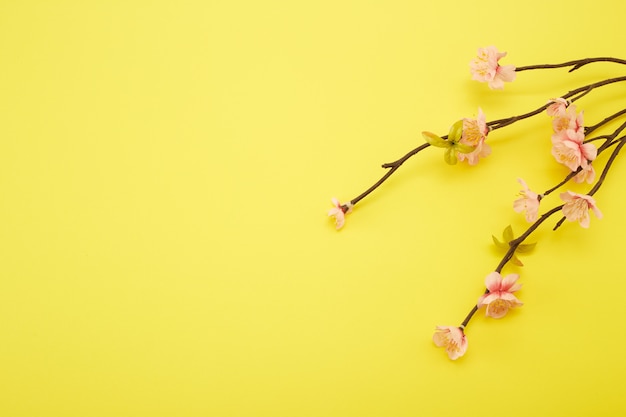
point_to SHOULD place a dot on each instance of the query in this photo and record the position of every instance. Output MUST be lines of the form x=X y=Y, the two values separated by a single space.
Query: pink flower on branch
x=528 y=202
x=485 y=68
x=339 y=212
x=557 y=106
x=474 y=134
x=577 y=206
x=587 y=174
x=566 y=119
x=569 y=149
x=499 y=298
x=453 y=339
x=465 y=140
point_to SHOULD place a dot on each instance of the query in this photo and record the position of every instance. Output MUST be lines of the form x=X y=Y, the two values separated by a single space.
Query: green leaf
x=460 y=147
x=450 y=156
x=435 y=140
x=456 y=131
x=515 y=260
x=526 y=247
x=507 y=234
x=500 y=245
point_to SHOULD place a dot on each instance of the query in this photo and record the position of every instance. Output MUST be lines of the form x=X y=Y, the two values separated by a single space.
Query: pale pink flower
x=528 y=202
x=474 y=134
x=485 y=68
x=568 y=119
x=339 y=212
x=587 y=174
x=499 y=298
x=557 y=106
x=453 y=339
x=577 y=206
x=569 y=149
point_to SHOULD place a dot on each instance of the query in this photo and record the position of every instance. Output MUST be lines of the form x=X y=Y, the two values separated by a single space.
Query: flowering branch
x=514 y=244
x=571 y=146
x=572 y=95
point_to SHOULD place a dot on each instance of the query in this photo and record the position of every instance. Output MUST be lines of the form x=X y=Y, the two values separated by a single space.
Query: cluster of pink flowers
x=466 y=142
x=568 y=140
x=497 y=300
x=569 y=149
x=575 y=209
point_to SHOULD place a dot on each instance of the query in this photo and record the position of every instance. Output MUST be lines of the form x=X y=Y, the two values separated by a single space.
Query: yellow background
x=165 y=173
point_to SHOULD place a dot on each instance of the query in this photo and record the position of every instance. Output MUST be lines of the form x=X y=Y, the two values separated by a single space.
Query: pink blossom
x=557 y=106
x=568 y=149
x=577 y=206
x=528 y=202
x=453 y=339
x=485 y=68
x=499 y=298
x=587 y=174
x=474 y=134
x=339 y=212
x=568 y=119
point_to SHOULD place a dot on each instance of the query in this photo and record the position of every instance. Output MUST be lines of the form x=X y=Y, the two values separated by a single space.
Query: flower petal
x=508 y=282
x=493 y=281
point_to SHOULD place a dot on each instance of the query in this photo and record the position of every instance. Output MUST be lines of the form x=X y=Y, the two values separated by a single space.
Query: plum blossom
x=339 y=212
x=453 y=339
x=568 y=118
x=485 y=68
x=499 y=298
x=528 y=202
x=569 y=149
x=568 y=141
x=474 y=134
x=587 y=174
x=557 y=106
x=452 y=145
x=577 y=206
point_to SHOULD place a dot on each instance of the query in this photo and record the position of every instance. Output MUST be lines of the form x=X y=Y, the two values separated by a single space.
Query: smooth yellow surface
x=165 y=172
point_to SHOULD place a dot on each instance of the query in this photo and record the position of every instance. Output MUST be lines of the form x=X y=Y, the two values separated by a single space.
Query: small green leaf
x=456 y=131
x=515 y=260
x=460 y=147
x=526 y=247
x=500 y=245
x=507 y=234
x=450 y=156
x=435 y=140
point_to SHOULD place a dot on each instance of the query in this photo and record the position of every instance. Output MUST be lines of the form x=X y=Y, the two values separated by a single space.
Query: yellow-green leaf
x=450 y=156
x=460 y=147
x=507 y=234
x=526 y=247
x=435 y=140
x=456 y=131
x=515 y=260
x=499 y=244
